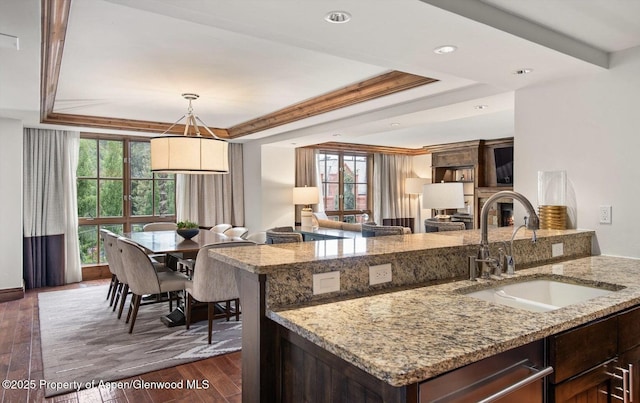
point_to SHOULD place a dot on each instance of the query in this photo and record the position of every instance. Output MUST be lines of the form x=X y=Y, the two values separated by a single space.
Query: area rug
x=84 y=344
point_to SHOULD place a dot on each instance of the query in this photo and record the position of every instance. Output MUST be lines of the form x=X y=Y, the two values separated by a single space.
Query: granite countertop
x=265 y=259
x=408 y=336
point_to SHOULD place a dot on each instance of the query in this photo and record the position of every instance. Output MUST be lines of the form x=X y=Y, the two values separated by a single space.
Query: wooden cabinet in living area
x=473 y=163
x=597 y=362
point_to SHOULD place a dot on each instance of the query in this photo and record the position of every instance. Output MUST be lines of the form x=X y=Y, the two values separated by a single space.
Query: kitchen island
x=415 y=327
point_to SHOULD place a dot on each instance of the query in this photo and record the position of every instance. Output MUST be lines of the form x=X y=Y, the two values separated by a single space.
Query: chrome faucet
x=484 y=261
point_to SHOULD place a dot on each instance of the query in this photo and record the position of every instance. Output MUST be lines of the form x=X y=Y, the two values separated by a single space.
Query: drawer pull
x=530 y=379
x=627 y=388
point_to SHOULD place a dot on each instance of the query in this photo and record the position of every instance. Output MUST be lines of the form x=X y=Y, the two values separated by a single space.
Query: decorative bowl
x=188 y=233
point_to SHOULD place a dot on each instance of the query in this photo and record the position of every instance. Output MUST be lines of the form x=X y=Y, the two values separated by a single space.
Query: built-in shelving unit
x=472 y=163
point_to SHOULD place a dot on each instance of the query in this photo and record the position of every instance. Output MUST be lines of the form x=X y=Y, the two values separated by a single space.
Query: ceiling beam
x=384 y=84
x=367 y=149
x=55 y=16
x=499 y=19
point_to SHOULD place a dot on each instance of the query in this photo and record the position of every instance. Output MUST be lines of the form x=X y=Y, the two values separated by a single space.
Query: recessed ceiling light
x=394 y=124
x=523 y=71
x=480 y=107
x=337 y=17
x=443 y=50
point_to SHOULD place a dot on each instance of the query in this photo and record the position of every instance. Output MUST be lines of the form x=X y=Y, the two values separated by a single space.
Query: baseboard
x=11 y=294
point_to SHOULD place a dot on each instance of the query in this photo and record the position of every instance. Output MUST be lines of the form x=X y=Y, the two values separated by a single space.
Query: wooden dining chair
x=143 y=278
x=213 y=282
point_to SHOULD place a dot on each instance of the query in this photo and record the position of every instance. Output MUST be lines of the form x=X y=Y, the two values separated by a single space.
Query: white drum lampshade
x=306 y=196
x=189 y=154
x=442 y=196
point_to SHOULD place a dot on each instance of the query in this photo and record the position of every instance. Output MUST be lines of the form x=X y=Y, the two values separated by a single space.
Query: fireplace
x=500 y=214
x=504 y=214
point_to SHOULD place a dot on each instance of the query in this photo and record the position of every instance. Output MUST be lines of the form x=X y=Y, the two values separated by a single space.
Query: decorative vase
x=188 y=233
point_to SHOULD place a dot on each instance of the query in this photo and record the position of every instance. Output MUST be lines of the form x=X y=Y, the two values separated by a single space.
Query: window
x=345 y=185
x=117 y=195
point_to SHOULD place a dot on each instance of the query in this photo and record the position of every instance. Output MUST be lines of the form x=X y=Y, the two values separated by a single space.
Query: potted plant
x=187 y=229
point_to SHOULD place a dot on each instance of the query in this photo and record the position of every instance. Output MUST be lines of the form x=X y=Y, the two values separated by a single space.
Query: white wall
x=269 y=176
x=590 y=127
x=11 y=203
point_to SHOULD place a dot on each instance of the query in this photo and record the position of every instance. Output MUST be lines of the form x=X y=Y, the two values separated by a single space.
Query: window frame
x=126 y=220
x=340 y=214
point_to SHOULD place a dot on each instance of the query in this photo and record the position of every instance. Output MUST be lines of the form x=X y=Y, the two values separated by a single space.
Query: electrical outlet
x=326 y=282
x=557 y=249
x=605 y=214
x=380 y=274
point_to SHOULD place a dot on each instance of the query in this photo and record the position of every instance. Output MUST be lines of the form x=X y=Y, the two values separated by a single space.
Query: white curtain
x=51 y=252
x=213 y=199
x=390 y=199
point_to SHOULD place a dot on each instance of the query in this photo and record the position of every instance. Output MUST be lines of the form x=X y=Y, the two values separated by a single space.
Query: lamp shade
x=413 y=186
x=442 y=196
x=306 y=195
x=189 y=154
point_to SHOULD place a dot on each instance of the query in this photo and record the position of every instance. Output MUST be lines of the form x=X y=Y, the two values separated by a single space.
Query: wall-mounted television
x=504 y=165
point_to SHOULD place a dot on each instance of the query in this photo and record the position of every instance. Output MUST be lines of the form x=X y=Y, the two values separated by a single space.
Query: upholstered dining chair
x=237 y=232
x=258 y=237
x=160 y=226
x=213 y=282
x=104 y=239
x=220 y=228
x=434 y=225
x=144 y=279
x=114 y=257
x=283 y=235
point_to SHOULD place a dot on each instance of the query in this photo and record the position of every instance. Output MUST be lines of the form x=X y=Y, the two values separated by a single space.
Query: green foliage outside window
x=101 y=191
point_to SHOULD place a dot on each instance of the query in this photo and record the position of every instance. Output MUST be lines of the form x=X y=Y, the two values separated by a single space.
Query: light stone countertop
x=265 y=259
x=408 y=336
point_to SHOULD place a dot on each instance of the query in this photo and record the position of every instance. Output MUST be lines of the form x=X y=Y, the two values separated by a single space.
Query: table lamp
x=442 y=196
x=413 y=186
x=306 y=196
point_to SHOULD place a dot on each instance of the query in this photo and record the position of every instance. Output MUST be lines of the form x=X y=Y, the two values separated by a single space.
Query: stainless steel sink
x=539 y=295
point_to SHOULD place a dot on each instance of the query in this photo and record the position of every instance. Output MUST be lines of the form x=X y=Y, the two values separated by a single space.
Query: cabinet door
x=630 y=360
x=592 y=386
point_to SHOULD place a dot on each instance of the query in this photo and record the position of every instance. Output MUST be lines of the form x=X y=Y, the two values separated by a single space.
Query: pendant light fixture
x=192 y=152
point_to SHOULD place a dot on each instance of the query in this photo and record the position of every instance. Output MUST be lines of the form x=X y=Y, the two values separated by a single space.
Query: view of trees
x=102 y=175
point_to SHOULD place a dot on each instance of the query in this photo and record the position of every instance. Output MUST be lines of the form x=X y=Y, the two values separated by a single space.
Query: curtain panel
x=307 y=175
x=50 y=221
x=390 y=197
x=213 y=199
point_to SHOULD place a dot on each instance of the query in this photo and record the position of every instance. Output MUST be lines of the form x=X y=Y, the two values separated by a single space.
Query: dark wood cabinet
x=472 y=163
x=308 y=373
x=597 y=362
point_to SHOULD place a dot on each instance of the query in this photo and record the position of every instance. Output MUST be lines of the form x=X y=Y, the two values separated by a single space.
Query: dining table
x=159 y=242
x=176 y=249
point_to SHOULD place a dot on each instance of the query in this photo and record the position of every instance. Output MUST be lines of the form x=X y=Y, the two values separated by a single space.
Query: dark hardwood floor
x=21 y=359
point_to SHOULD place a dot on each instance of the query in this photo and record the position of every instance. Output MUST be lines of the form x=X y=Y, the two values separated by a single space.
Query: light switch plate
x=326 y=282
